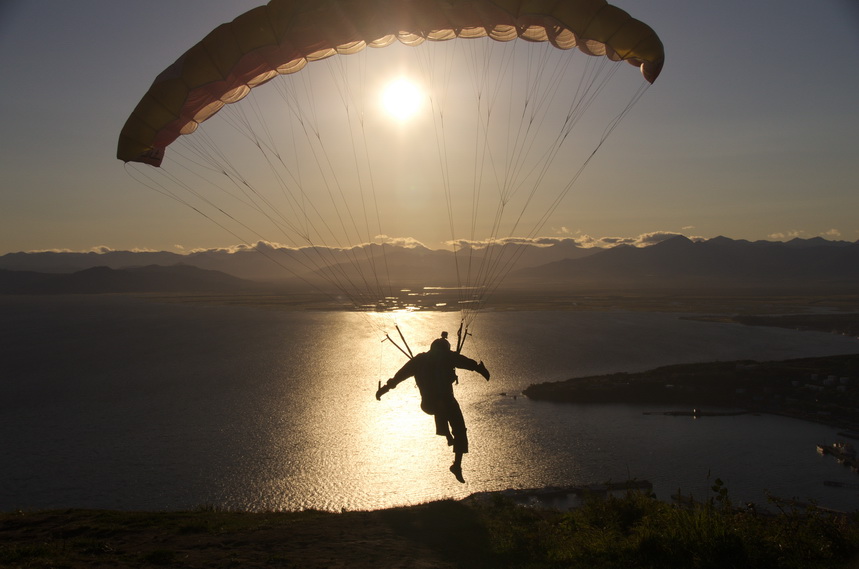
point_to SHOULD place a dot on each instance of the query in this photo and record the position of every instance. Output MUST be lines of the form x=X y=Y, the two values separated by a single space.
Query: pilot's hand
x=381 y=391
x=481 y=369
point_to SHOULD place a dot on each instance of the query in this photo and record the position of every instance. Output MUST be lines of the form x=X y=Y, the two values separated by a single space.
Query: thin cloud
x=654 y=237
x=98 y=250
x=406 y=242
x=786 y=234
x=271 y=246
x=533 y=241
x=604 y=242
x=565 y=238
x=258 y=246
x=53 y=251
x=581 y=240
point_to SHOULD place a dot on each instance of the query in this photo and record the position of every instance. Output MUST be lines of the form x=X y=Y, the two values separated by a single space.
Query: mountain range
x=718 y=263
x=677 y=262
x=265 y=262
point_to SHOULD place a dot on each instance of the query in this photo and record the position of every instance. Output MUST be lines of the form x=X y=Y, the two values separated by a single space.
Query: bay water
x=126 y=403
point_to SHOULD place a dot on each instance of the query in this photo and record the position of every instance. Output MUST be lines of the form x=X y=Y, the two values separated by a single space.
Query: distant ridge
x=678 y=262
x=70 y=262
x=714 y=263
x=153 y=278
x=268 y=263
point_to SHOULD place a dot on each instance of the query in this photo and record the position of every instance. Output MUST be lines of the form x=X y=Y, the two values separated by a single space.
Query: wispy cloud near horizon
x=579 y=240
x=565 y=238
x=803 y=234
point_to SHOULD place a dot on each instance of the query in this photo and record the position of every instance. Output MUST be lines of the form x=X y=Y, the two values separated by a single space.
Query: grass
x=634 y=530
x=638 y=531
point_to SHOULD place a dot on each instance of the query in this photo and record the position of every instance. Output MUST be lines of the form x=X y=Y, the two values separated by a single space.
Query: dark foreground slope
x=632 y=531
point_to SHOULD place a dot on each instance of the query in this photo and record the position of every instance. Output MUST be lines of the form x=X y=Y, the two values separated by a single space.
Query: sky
x=751 y=131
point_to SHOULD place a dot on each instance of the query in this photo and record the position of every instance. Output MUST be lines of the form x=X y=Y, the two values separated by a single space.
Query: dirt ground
x=436 y=535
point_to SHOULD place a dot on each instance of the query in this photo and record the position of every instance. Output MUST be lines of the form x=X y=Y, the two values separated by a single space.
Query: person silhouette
x=435 y=373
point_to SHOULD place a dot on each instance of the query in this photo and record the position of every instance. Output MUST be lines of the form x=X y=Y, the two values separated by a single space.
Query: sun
x=402 y=99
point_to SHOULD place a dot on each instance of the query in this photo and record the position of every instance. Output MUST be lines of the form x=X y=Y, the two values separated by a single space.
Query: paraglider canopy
x=284 y=35
x=307 y=165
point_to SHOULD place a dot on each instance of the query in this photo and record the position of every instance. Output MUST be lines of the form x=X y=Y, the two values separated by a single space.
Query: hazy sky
x=751 y=132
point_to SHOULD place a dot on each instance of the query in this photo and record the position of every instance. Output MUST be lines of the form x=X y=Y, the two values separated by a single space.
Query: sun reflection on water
x=388 y=449
x=398 y=439
x=330 y=444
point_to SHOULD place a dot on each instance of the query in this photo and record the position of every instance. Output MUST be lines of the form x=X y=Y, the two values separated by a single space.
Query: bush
x=638 y=531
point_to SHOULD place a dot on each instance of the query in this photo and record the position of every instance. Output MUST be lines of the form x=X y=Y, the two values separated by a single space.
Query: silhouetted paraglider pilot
x=434 y=373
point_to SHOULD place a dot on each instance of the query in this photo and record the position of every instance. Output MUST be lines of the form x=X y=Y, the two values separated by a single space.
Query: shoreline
x=716 y=306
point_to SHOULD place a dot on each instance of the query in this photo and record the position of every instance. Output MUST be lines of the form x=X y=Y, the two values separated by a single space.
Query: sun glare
x=401 y=99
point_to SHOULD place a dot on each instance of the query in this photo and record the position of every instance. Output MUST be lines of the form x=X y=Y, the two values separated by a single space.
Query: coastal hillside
x=824 y=389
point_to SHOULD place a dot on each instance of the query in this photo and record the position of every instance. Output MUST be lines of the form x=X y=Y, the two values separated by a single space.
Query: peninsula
x=821 y=389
